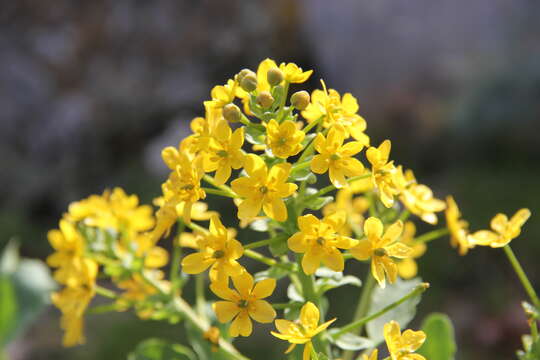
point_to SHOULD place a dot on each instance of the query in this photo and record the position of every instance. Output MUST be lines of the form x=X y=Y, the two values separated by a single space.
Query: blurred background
x=90 y=92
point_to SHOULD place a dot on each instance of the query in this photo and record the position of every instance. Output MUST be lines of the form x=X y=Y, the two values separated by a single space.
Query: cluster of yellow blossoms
x=271 y=183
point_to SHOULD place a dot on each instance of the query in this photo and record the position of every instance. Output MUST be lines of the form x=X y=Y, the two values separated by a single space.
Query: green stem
x=202 y=324
x=105 y=292
x=200 y=299
x=261 y=243
x=314 y=355
x=282 y=102
x=361 y=322
x=362 y=308
x=521 y=275
x=312 y=124
x=223 y=187
x=218 y=192
x=404 y=215
x=432 y=235
x=101 y=309
x=299 y=166
x=329 y=188
x=281 y=306
x=268 y=261
x=176 y=281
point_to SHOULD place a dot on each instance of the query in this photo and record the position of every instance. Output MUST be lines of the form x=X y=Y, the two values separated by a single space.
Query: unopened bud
x=249 y=82
x=274 y=76
x=232 y=113
x=242 y=74
x=300 y=100
x=265 y=99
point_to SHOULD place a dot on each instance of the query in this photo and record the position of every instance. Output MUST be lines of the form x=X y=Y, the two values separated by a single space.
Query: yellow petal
x=520 y=218
x=222 y=290
x=377 y=270
x=196 y=263
x=311 y=262
x=499 y=223
x=336 y=220
x=319 y=164
x=306 y=354
x=373 y=228
x=264 y=288
x=399 y=250
x=407 y=268
x=275 y=209
x=249 y=208
x=225 y=310
x=309 y=315
x=298 y=243
x=392 y=234
x=261 y=311
x=241 y=325
x=307 y=223
x=333 y=259
x=363 y=250
x=412 y=340
x=255 y=166
x=244 y=284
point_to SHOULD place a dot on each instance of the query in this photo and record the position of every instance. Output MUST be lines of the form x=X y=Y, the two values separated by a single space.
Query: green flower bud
x=300 y=100
x=274 y=76
x=242 y=74
x=249 y=82
x=265 y=99
x=232 y=113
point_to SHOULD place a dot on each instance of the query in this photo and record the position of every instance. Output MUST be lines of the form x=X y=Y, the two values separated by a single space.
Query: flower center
x=243 y=304
x=263 y=189
x=282 y=141
x=320 y=240
x=218 y=254
x=335 y=157
x=380 y=252
x=222 y=153
x=188 y=187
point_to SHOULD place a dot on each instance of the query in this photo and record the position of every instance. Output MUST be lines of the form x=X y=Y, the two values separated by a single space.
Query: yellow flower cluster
x=274 y=187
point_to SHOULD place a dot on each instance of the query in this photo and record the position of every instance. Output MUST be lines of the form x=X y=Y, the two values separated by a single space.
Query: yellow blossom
x=383 y=172
x=337 y=111
x=294 y=74
x=224 y=152
x=336 y=157
x=73 y=269
x=244 y=303
x=263 y=189
x=459 y=235
x=72 y=302
x=217 y=250
x=202 y=129
x=503 y=230
x=303 y=331
x=183 y=185
x=402 y=346
x=284 y=139
x=381 y=248
x=407 y=268
x=319 y=241
x=354 y=208
x=419 y=200
x=212 y=335
x=225 y=94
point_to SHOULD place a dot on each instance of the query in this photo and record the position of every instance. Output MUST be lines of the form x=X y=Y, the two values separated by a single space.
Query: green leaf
x=319 y=202
x=300 y=175
x=157 y=349
x=329 y=280
x=403 y=313
x=440 y=343
x=274 y=272
x=8 y=310
x=255 y=134
x=279 y=247
x=349 y=341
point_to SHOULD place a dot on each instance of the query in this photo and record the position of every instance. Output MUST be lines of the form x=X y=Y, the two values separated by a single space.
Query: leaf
x=8 y=310
x=279 y=247
x=157 y=349
x=329 y=280
x=349 y=341
x=9 y=258
x=300 y=175
x=318 y=202
x=440 y=343
x=255 y=134
x=274 y=272
x=403 y=313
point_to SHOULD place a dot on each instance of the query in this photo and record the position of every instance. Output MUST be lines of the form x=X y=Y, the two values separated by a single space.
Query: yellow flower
x=294 y=74
x=407 y=268
x=72 y=302
x=403 y=346
x=337 y=111
x=183 y=185
x=303 y=331
x=217 y=250
x=374 y=355
x=244 y=303
x=458 y=228
x=224 y=152
x=263 y=189
x=202 y=129
x=354 y=208
x=225 y=94
x=336 y=157
x=383 y=172
x=73 y=269
x=504 y=230
x=284 y=139
x=381 y=248
x=419 y=200
x=319 y=241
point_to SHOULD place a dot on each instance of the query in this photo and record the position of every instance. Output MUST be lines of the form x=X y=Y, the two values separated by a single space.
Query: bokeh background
x=91 y=91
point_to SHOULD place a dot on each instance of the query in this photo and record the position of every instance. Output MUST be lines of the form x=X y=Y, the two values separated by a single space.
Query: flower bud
x=242 y=74
x=300 y=100
x=274 y=76
x=265 y=99
x=232 y=113
x=249 y=82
